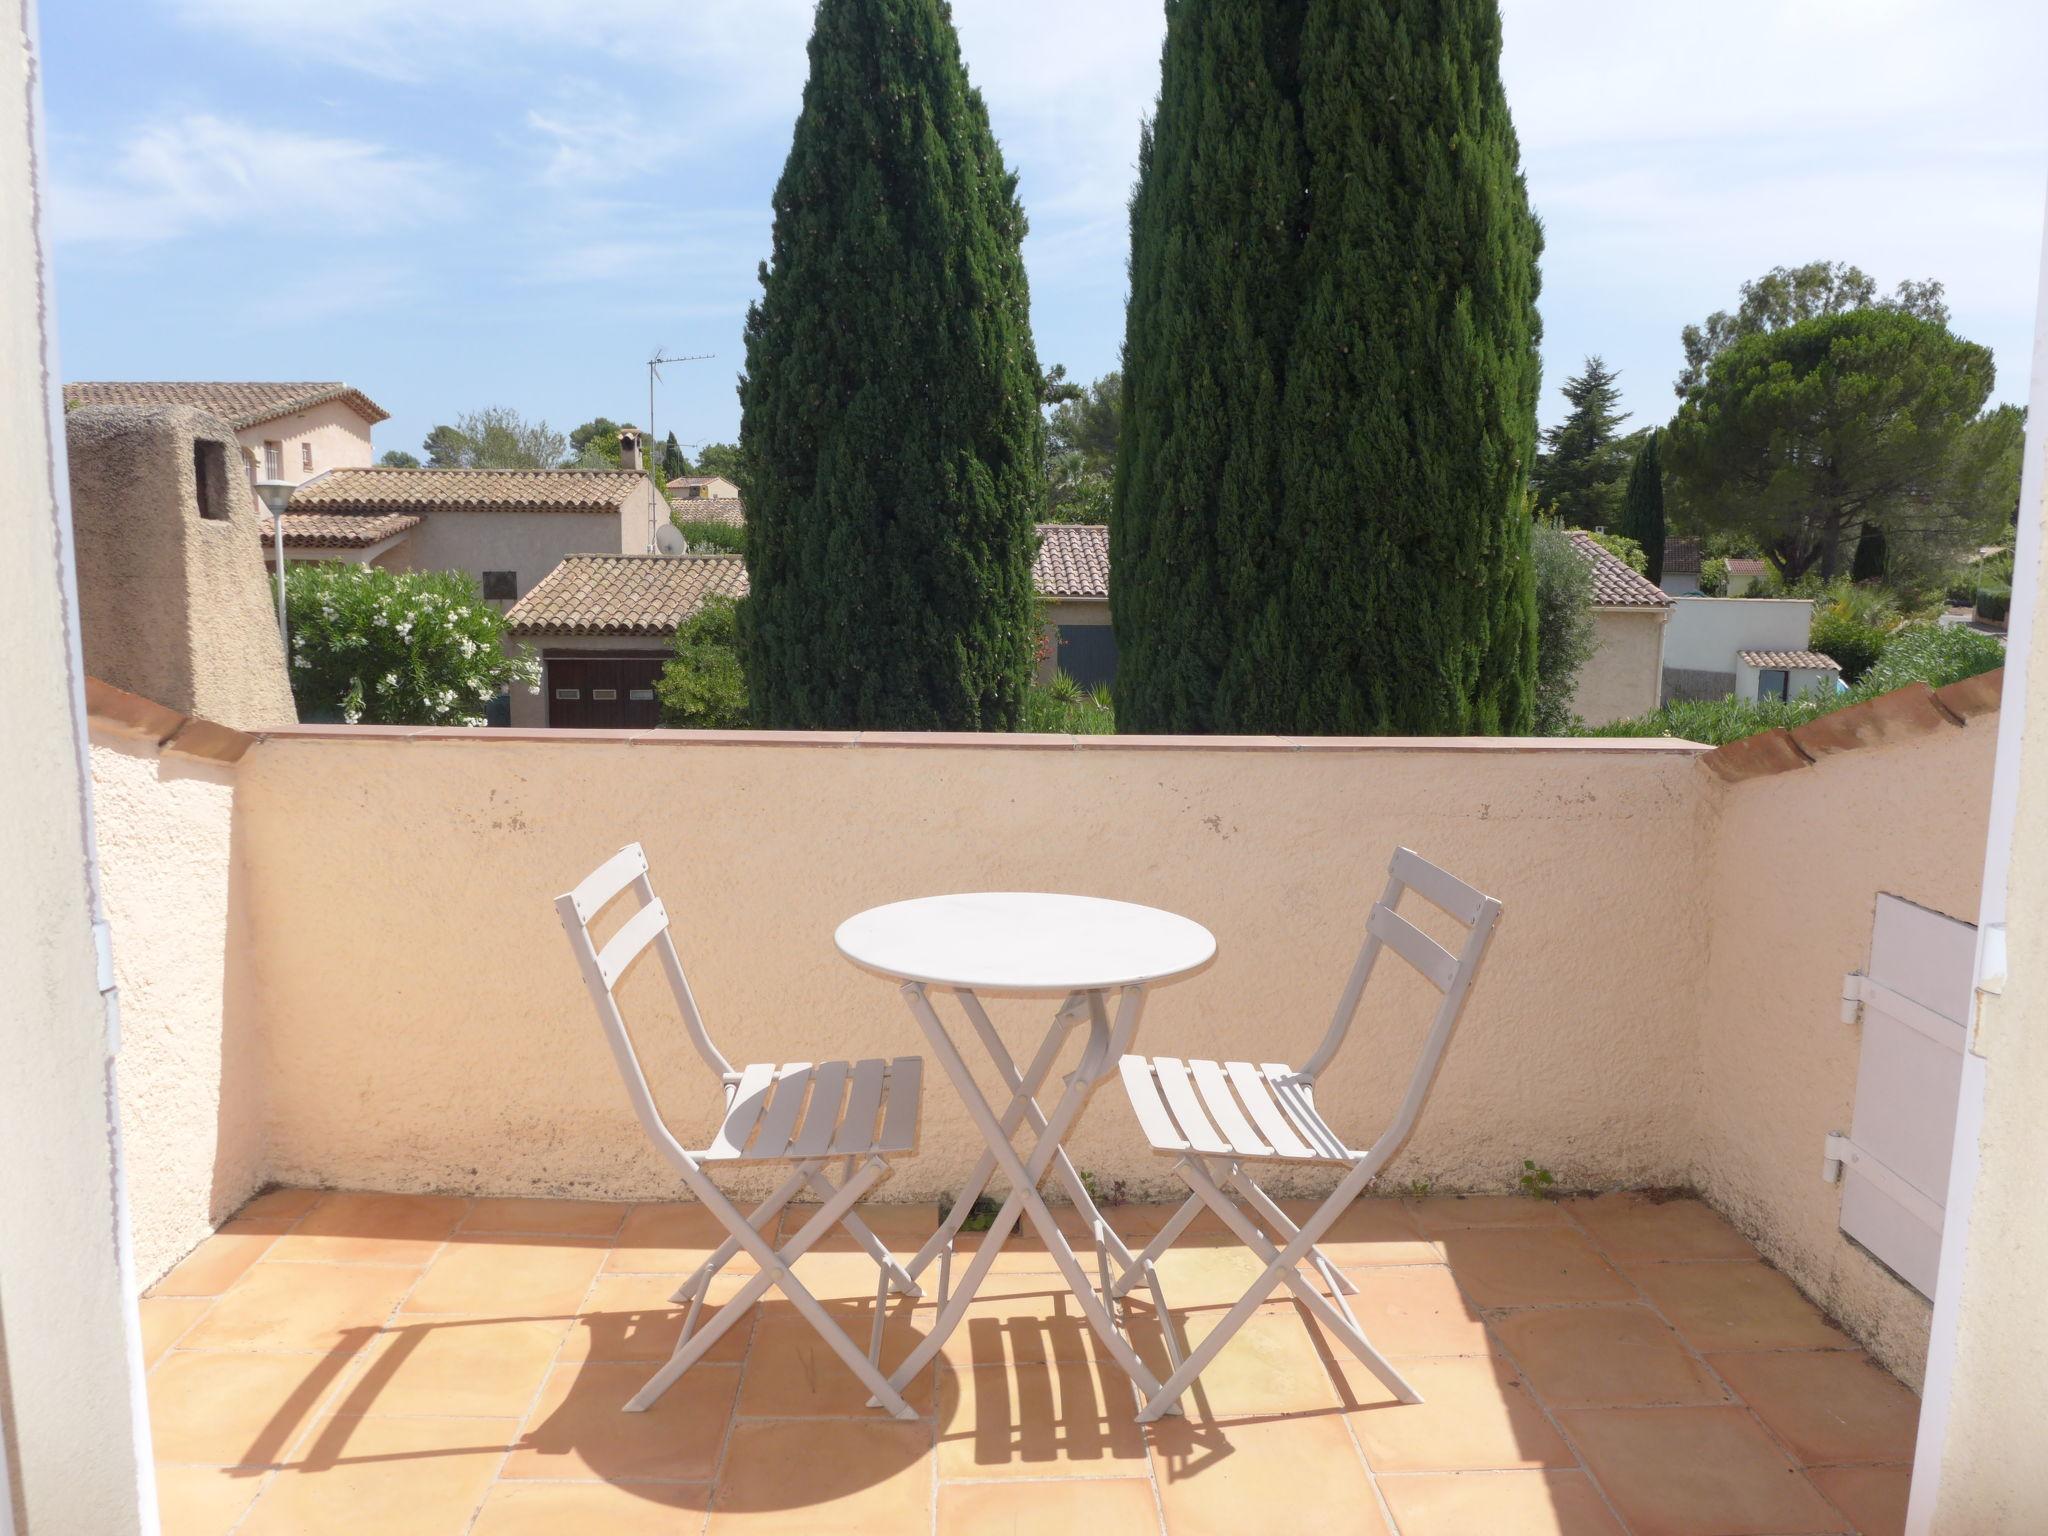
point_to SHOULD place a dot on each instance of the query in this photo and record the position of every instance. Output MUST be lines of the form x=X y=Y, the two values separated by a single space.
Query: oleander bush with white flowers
x=377 y=647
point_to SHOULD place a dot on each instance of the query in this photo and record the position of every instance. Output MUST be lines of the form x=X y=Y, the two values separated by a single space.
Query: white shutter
x=1915 y=1012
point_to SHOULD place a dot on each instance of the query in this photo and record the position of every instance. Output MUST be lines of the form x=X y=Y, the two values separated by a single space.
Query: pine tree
x=1330 y=378
x=890 y=433
x=1642 y=507
x=1581 y=470
x=674 y=463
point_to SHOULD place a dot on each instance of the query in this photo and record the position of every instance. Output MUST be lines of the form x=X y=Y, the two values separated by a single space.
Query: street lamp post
x=276 y=496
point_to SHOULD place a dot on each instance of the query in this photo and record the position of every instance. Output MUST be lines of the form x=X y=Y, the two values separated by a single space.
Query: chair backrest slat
x=1414 y=946
x=596 y=890
x=624 y=947
x=1435 y=885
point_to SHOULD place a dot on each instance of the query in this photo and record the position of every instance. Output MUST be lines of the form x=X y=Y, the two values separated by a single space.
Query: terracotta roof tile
x=469 y=490
x=339 y=530
x=1681 y=555
x=729 y=510
x=1616 y=583
x=238 y=404
x=624 y=594
x=1790 y=659
x=1072 y=561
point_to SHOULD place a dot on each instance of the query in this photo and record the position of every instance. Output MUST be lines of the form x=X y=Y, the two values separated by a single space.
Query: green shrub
x=1064 y=707
x=704 y=686
x=1565 y=639
x=1994 y=603
x=709 y=538
x=1624 y=549
x=1714 y=576
x=377 y=647
x=1849 y=637
x=1934 y=654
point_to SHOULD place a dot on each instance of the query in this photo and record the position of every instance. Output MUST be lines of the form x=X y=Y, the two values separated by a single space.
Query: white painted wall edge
x=1943 y=1336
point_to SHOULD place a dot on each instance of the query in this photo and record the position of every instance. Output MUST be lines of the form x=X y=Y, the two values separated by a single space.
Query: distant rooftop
x=1616 y=583
x=624 y=594
x=467 y=490
x=239 y=404
x=1073 y=560
x=1791 y=660
x=342 y=530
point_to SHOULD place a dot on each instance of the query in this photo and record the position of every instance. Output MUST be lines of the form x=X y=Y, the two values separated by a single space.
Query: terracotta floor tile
x=1138 y=1223
x=1543 y=1266
x=580 y=1431
x=1829 y=1407
x=279 y=1204
x=508 y=1277
x=1634 y=1227
x=1207 y=1277
x=397 y=1477
x=843 y=1276
x=1272 y=1365
x=1605 y=1357
x=593 y=1509
x=1737 y=1306
x=372 y=1229
x=1416 y=1311
x=1073 y=1419
x=464 y=1367
x=630 y=1317
x=164 y=1319
x=671 y=1238
x=1369 y=1232
x=1474 y=1415
x=303 y=1307
x=858 y=1477
x=1695 y=1472
x=903 y=1228
x=235 y=1409
x=1548 y=1503
x=1436 y=1215
x=218 y=1262
x=1114 y=1506
x=1231 y=1478
x=554 y=1218
x=204 y=1501
x=1022 y=1320
x=793 y=1373
x=1874 y=1498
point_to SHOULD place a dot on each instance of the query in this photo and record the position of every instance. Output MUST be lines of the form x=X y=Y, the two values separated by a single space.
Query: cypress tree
x=674 y=465
x=890 y=438
x=1873 y=555
x=1330 y=378
x=1642 y=505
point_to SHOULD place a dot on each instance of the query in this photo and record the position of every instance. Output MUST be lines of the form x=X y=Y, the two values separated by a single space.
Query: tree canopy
x=675 y=464
x=496 y=437
x=890 y=429
x=398 y=458
x=722 y=459
x=1330 y=378
x=1579 y=474
x=1786 y=295
x=1081 y=433
x=1800 y=437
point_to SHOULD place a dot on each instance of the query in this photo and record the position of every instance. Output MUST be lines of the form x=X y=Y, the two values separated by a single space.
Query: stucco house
x=604 y=625
x=1784 y=674
x=288 y=432
x=707 y=499
x=1071 y=574
x=506 y=527
x=1710 y=637
x=1622 y=677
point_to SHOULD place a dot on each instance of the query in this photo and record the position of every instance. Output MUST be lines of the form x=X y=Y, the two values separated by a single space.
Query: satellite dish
x=668 y=538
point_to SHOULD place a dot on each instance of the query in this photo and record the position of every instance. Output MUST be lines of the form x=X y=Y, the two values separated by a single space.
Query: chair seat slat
x=1153 y=1119
x=748 y=1098
x=634 y=935
x=821 y=1120
x=792 y=1088
x=1222 y=1107
x=1186 y=1105
x=1258 y=1098
x=899 y=1118
x=1297 y=1101
x=1414 y=946
x=863 y=1100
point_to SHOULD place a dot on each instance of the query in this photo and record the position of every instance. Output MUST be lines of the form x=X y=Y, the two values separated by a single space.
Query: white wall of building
x=1707 y=633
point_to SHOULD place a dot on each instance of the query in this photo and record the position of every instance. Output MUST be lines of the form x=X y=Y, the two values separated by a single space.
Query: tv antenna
x=654 y=367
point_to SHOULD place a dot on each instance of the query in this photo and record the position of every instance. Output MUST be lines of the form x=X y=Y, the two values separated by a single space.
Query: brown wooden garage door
x=603 y=692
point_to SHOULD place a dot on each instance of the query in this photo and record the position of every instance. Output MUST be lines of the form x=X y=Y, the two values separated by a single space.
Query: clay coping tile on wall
x=171 y=731
x=1914 y=710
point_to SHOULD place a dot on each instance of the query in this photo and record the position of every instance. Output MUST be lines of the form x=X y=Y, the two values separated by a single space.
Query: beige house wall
x=73 y=1444
x=1800 y=858
x=429 y=1032
x=1625 y=673
x=529 y=543
x=339 y=438
x=189 y=1085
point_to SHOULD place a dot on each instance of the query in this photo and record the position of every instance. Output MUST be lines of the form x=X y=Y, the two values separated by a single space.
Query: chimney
x=629 y=449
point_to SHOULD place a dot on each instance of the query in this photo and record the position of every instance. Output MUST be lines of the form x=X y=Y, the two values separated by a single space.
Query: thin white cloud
x=184 y=174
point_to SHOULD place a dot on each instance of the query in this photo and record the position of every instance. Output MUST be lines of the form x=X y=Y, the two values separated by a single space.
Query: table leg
x=1106 y=1043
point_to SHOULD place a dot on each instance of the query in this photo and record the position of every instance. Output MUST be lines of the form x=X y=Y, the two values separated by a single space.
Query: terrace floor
x=400 y=1364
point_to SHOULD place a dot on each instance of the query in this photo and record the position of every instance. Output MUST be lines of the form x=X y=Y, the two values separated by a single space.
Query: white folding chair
x=803 y=1113
x=1216 y=1117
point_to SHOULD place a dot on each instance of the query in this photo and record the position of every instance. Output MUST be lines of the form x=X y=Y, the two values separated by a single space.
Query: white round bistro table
x=1025 y=944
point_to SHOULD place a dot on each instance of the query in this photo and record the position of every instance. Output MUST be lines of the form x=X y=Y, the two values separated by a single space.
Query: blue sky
x=460 y=203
